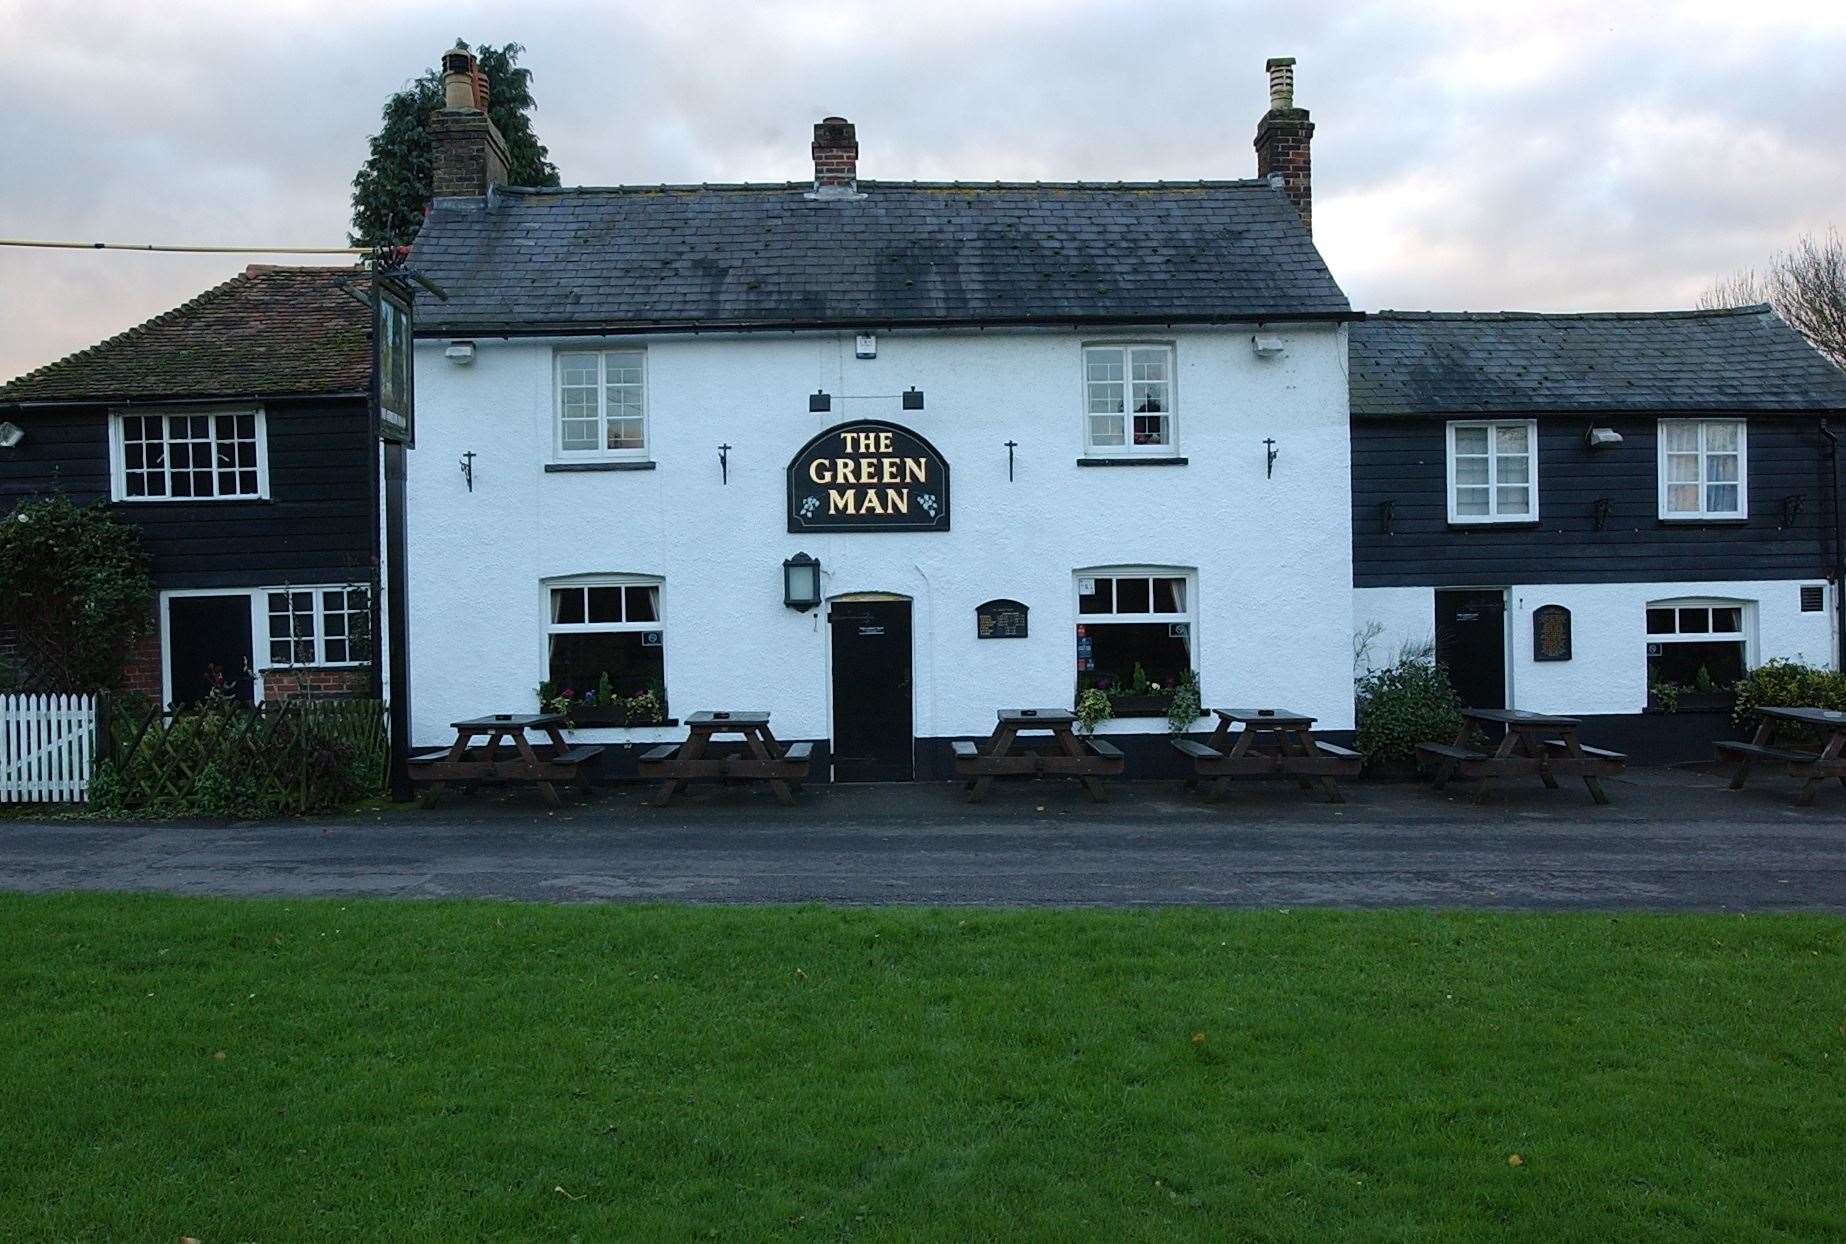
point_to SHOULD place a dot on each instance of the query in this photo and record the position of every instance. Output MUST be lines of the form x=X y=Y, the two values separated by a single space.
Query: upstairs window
x=1128 y=399
x=1493 y=471
x=602 y=405
x=191 y=455
x=1696 y=644
x=1702 y=468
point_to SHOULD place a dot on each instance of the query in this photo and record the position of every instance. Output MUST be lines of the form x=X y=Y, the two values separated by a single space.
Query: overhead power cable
x=191 y=250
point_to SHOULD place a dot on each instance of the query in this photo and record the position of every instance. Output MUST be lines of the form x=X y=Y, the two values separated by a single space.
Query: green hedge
x=1788 y=684
x=1407 y=703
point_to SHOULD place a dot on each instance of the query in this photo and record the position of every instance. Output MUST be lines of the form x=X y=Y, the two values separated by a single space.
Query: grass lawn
x=269 y=1070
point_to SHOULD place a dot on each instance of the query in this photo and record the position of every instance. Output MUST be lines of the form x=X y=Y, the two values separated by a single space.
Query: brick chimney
x=1283 y=137
x=836 y=159
x=469 y=152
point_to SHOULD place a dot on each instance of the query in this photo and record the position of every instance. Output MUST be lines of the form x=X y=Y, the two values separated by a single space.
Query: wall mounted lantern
x=801 y=582
x=10 y=435
x=819 y=402
x=913 y=398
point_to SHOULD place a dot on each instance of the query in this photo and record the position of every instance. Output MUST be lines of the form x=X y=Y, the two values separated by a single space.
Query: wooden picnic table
x=1814 y=767
x=760 y=758
x=1274 y=742
x=564 y=763
x=1089 y=760
x=1534 y=743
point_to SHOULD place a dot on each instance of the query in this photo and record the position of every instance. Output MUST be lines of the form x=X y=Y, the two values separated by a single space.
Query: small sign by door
x=1551 y=633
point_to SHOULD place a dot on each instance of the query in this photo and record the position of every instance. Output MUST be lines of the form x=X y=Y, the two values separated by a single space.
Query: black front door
x=208 y=645
x=1471 y=644
x=871 y=691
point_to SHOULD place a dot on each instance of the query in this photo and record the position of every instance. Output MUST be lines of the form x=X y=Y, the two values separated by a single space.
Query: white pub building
x=877 y=457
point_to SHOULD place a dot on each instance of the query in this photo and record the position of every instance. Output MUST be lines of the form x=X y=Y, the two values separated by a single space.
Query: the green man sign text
x=868 y=476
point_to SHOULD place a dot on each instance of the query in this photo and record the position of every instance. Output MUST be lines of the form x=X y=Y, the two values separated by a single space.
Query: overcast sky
x=1468 y=155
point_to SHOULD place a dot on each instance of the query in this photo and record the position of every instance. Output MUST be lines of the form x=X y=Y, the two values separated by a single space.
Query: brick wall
x=1283 y=139
x=469 y=153
x=141 y=672
x=283 y=683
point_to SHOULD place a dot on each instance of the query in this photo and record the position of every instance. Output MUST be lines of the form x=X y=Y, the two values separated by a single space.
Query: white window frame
x=1704 y=514
x=601 y=453
x=1170 y=449
x=1493 y=514
x=118 y=458
x=319 y=659
x=1190 y=615
x=548 y=628
x=1746 y=624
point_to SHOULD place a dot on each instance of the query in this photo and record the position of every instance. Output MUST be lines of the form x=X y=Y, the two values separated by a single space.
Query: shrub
x=1404 y=704
x=78 y=592
x=1788 y=684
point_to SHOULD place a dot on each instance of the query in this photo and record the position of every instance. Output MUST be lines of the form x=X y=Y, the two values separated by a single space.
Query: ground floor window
x=1134 y=637
x=606 y=652
x=1694 y=647
x=319 y=625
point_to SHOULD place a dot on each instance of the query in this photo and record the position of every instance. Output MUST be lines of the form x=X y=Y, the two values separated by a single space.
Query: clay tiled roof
x=1512 y=362
x=268 y=332
x=630 y=258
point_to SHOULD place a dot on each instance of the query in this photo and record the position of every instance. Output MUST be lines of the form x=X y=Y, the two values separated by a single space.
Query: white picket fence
x=47 y=748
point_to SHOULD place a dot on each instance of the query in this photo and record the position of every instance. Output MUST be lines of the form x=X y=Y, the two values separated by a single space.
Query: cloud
x=1567 y=155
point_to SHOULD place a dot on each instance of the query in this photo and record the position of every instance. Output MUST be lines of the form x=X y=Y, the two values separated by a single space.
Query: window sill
x=190 y=500
x=1523 y=524
x=626 y=465
x=1704 y=520
x=1150 y=460
x=591 y=719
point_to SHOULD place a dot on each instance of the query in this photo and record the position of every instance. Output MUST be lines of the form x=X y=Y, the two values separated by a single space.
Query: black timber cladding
x=1413 y=372
x=1402 y=462
x=314 y=528
x=632 y=258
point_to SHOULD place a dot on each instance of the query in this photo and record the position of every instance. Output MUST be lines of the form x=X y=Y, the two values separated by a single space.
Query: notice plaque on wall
x=1551 y=633
x=1000 y=619
x=868 y=476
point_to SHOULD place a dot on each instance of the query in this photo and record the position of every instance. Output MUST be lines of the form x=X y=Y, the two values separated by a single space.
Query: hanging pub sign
x=391 y=373
x=868 y=476
x=1551 y=633
x=1000 y=619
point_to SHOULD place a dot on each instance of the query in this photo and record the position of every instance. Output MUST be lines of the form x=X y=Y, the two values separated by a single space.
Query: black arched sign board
x=1551 y=633
x=1000 y=619
x=868 y=476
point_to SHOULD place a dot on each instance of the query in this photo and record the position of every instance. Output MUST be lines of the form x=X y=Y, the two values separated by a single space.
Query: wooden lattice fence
x=230 y=759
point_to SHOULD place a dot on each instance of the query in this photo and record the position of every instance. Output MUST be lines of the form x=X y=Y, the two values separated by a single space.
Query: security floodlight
x=10 y=435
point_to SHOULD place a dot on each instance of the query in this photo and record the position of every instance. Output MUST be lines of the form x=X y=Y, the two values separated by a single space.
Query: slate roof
x=1510 y=362
x=267 y=332
x=906 y=253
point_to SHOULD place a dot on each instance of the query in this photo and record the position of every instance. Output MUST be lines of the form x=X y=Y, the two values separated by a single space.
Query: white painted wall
x=1607 y=672
x=1273 y=555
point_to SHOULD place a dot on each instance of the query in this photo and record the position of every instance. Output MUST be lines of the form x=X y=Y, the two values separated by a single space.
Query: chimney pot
x=1281 y=82
x=836 y=158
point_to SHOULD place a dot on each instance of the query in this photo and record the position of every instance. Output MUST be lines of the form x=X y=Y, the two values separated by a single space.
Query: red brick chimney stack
x=1283 y=137
x=469 y=151
x=836 y=159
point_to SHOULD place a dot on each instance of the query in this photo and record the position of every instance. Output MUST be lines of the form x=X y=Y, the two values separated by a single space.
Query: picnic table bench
x=1087 y=759
x=1813 y=767
x=759 y=758
x=1273 y=743
x=464 y=762
x=1534 y=743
